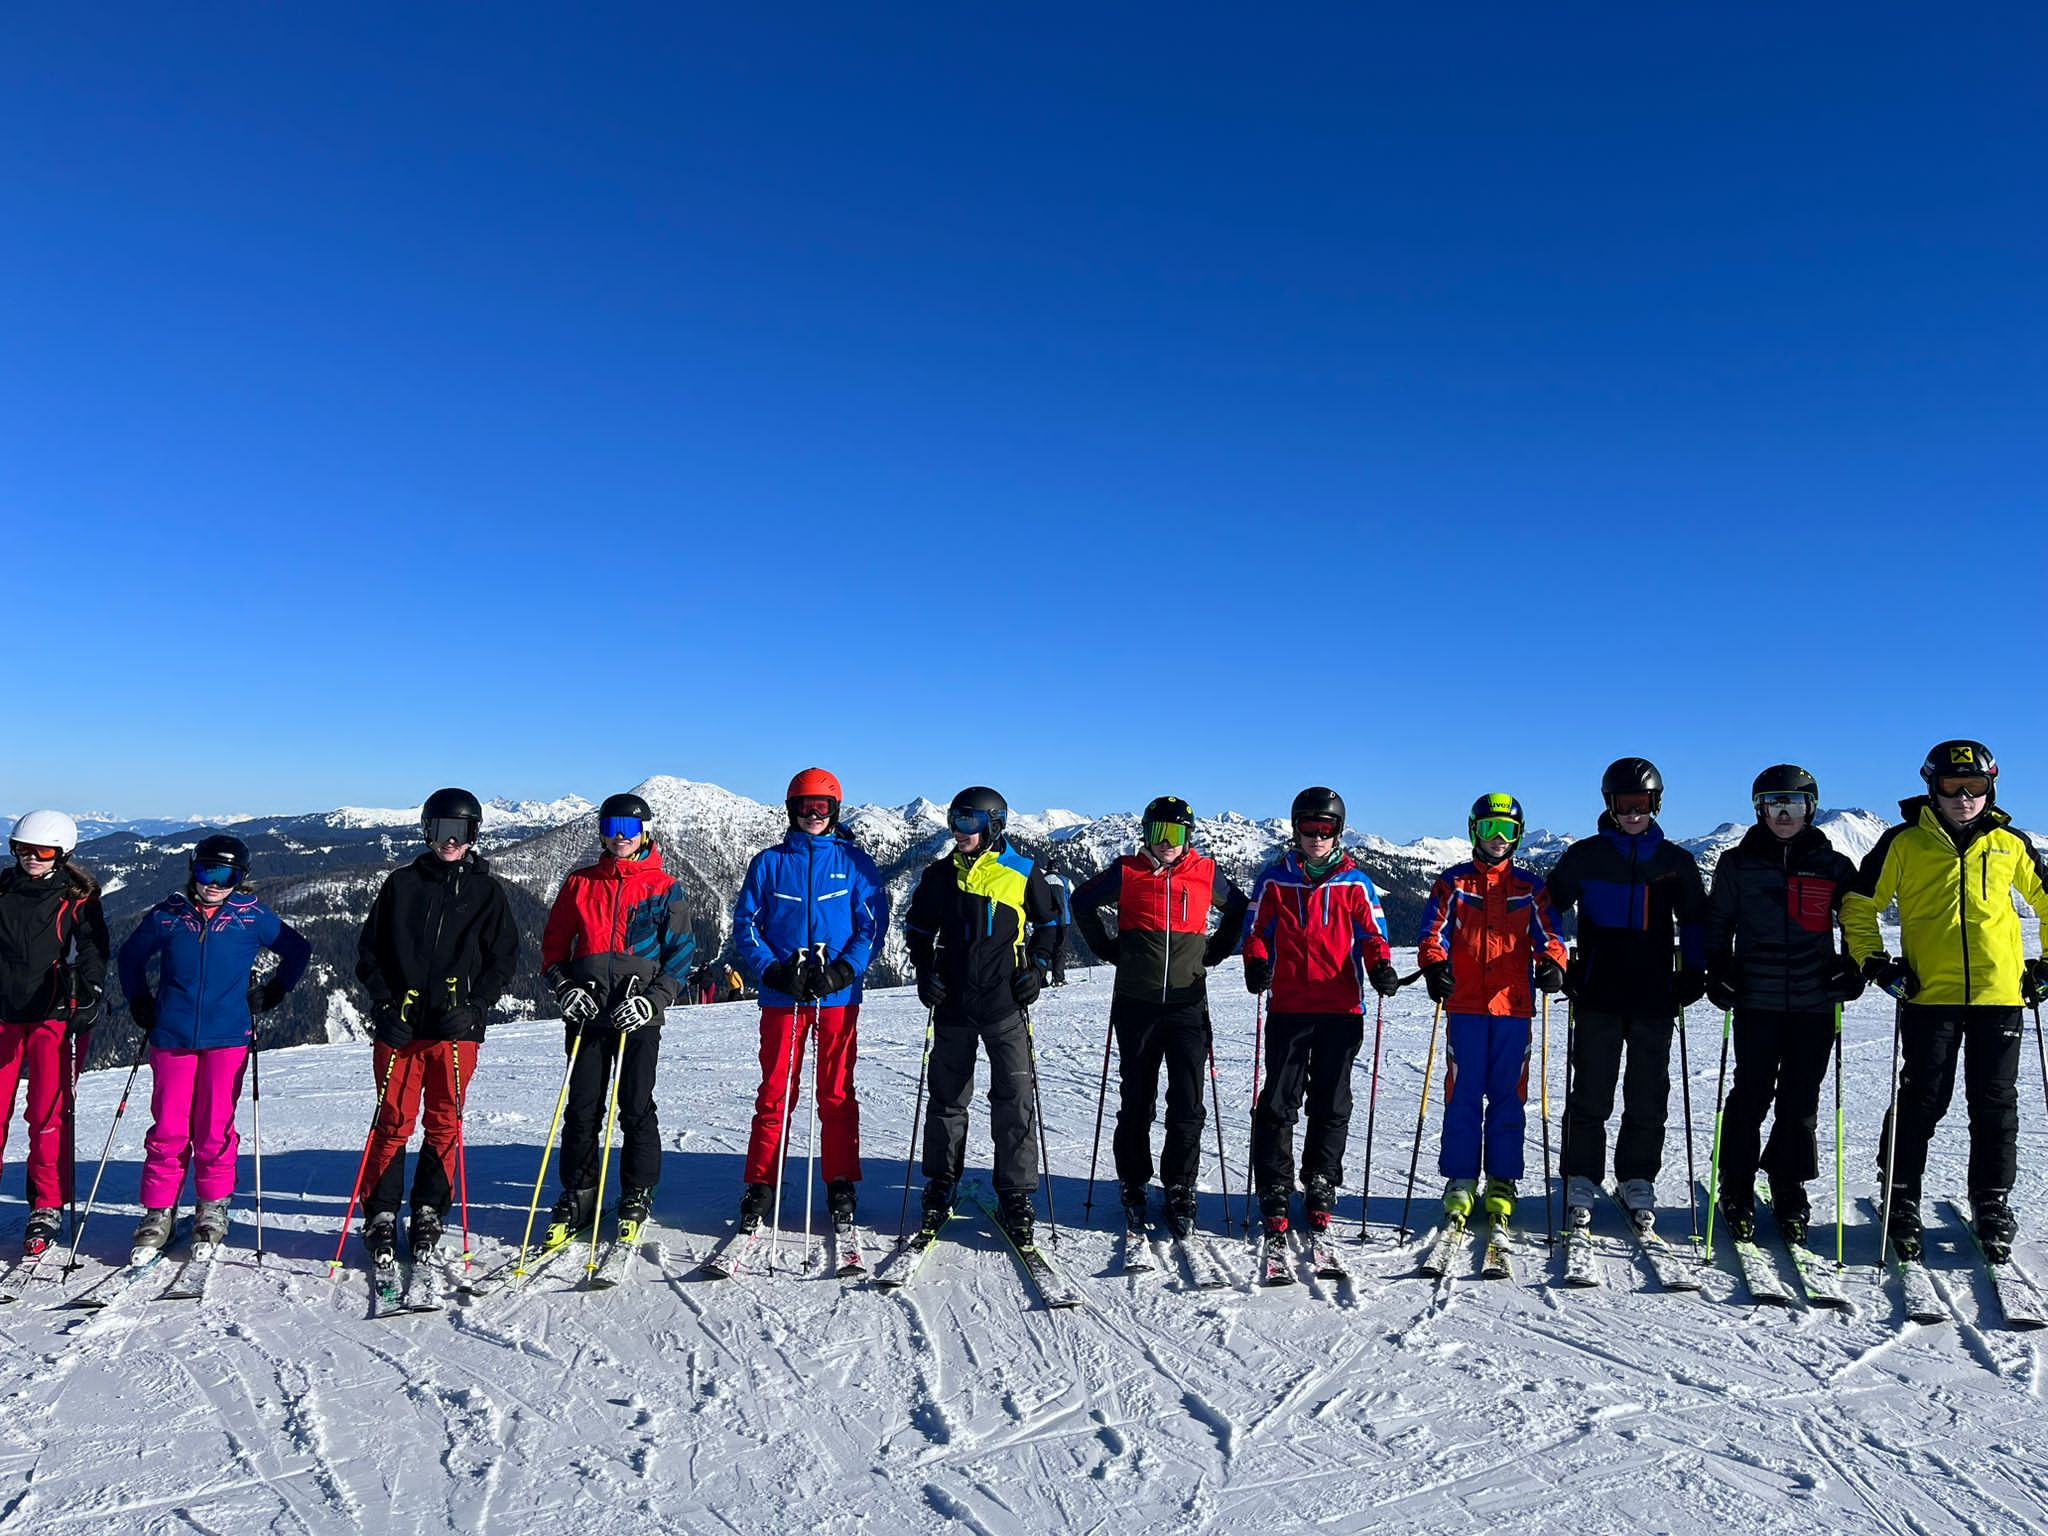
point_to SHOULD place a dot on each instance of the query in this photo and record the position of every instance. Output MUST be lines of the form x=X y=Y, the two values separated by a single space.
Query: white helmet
x=47 y=829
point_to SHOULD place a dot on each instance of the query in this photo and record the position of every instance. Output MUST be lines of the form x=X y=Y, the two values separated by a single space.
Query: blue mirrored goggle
x=214 y=874
x=618 y=826
x=969 y=821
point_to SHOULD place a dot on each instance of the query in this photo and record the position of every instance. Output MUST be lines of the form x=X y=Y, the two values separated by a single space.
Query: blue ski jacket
x=203 y=964
x=804 y=891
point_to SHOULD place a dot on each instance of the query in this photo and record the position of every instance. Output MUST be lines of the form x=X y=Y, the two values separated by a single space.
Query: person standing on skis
x=1635 y=893
x=1960 y=979
x=1315 y=926
x=810 y=914
x=1162 y=949
x=1772 y=960
x=436 y=953
x=53 y=969
x=982 y=927
x=1489 y=941
x=616 y=949
x=205 y=940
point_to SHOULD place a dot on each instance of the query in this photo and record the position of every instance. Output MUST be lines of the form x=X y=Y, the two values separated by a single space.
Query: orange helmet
x=814 y=781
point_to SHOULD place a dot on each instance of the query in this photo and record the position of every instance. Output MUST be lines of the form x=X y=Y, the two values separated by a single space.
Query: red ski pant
x=39 y=1048
x=783 y=1031
x=422 y=1075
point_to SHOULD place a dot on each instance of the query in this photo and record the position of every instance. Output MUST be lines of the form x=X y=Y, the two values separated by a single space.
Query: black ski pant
x=1781 y=1056
x=1598 y=1043
x=583 y=1119
x=1308 y=1056
x=1011 y=1120
x=1148 y=1034
x=1930 y=1039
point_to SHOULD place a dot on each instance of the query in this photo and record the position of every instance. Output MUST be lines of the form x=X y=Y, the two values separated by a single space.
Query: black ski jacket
x=437 y=950
x=1629 y=895
x=53 y=944
x=1771 y=922
x=979 y=920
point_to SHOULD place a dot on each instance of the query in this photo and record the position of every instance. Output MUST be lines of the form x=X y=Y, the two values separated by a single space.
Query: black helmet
x=1956 y=759
x=1317 y=801
x=451 y=805
x=1169 y=808
x=1633 y=776
x=625 y=805
x=978 y=808
x=1785 y=779
x=220 y=848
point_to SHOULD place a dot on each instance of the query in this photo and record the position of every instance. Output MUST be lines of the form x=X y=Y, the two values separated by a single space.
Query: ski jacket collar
x=1642 y=845
x=610 y=866
x=1760 y=842
x=433 y=867
x=1921 y=809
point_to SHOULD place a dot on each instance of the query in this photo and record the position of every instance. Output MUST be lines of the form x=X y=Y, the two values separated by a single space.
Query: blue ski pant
x=1486 y=1080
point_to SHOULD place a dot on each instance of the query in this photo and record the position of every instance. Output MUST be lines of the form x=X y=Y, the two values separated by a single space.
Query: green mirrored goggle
x=1166 y=832
x=1487 y=828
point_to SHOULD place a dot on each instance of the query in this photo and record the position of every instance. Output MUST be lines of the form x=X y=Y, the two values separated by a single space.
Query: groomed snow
x=802 y=1404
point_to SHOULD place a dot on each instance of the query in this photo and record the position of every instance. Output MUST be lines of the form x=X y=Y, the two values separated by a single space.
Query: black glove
x=1111 y=952
x=2034 y=985
x=1437 y=981
x=1687 y=988
x=635 y=1010
x=391 y=1024
x=1844 y=981
x=85 y=1011
x=1258 y=973
x=1384 y=978
x=142 y=1009
x=1549 y=975
x=1893 y=976
x=1721 y=986
x=784 y=976
x=576 y=999
x=823 y=980
x=1574 y=978
x=1026 y=982
x=931 y=987
x=266 y=995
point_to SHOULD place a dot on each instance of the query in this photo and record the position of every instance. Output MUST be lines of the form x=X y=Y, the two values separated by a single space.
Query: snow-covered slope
x=789 y=1403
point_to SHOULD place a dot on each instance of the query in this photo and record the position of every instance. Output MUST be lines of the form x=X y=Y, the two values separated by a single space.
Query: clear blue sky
x=1092 y=402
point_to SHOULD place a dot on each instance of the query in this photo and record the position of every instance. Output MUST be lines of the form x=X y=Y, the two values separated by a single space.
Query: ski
x=850 y=1247
x=1581 y=1260
x=423 y=1283
x=1197 y=1252
x=1276 y=1259
x=1759 y=1275
x=1052 y=1286
x=906 y=1261
x=20 y=1274
x=2019 y=1294
x=616 y=1259
x=732 y=1254
x=1820 y=1278
x=515 y=1271
x=189 y=1280
x=1443 y=1253
x=118 y=1283
x=1499 y=1263
x=1326 y=1260
x=1916 y=1285
x=1136 y=1253
x=1671 y=1271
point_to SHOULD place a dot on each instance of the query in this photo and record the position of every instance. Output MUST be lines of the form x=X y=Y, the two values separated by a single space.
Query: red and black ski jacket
x=1771 y=922
x=53 y=944
x=1163 y=946
x=621 y=920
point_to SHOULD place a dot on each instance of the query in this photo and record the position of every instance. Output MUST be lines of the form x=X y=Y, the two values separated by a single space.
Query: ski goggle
x=1318 y=826
x=1975 y=787
x=1783 y=800
x=618 y=826
x=1487 y=828
x=968 y=822
x=811 y=806
x=448 y=829
x=35 y=851
x=1173 y=832
x=1634 y=805
x=215 y=874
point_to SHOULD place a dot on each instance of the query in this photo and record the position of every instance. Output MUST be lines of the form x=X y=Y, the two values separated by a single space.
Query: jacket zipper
x=1963 y=915
x=1166 y=965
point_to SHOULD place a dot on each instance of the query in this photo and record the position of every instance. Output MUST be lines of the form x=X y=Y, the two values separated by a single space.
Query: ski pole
x=547 y=1149
x=931 y=1019
x=1692 y=1178
x=1891 y=1140
x=1101 y=1101
x=256 y=1126
x=1052 y=1215
x=811 y=1124
x=461 y=1153
x=793 y=1043
x=1421 y=1115
x=1840 y=1175
x=2040 y=1050
x=1216 y=1112
x=604 y=1148
x=1372 y=1108
x=1543 y=1100
x=1564 y=1123
x=73 y=1049
x=1252 y=1147
x=1714 y=1167
x=78 y=1234
x=356 y=1190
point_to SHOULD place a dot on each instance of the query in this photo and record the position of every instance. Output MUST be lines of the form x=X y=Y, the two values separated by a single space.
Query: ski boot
x=1739 y=1217
x=210 y=1222
x=1318 y=1199
x=572 y=1215
x=1458 y=1197
x=841 y=1202
x=1639 y=1199
x=938 y=1204
x=1180 y=1209
x=154 y=1230
x=1273 y=1208
x=44 y=1223
x=424 y=1235
x=1015 y=1212
x=380 y=1236
x=1500 y=1199
x=756 y=1202
x=1134 y=1193
x=1793 y=1210
x=1994 y=1226
x=635 y=1206
x=1579 y=1194
x=1903 y=1230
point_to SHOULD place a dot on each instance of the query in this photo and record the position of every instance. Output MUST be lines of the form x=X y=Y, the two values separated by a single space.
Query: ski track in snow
x=797 y=1402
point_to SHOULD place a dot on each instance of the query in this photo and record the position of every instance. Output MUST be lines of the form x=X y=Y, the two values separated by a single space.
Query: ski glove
x=1844 y=981
x=1026 y=982
x=823 y=980
x=1437 y=981
x=142 y=1009
x=634 y=1012
x=1574 y=978
x=574 y=998
x=1385 y=979
x=389 y=1022
x=1687 y=988
x=266 y=995
x=783 y=976
x=931 y=988
x=85 y=1011
x=1258 y=973
x=1893 y=976
x=2034 y=983
x=1721 y=987
x=1549 y=975
x=1112 y=949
